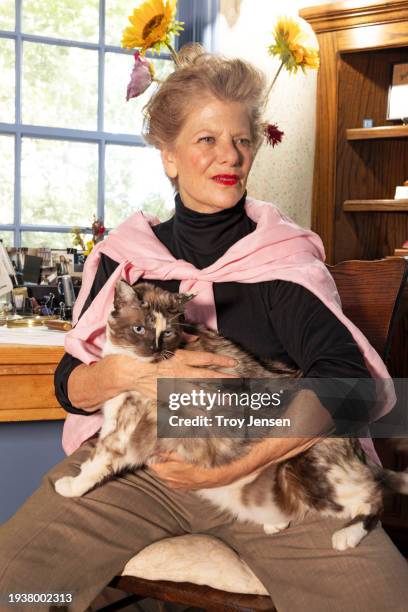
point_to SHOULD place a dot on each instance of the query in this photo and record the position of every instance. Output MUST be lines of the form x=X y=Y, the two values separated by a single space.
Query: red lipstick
x=226 y=179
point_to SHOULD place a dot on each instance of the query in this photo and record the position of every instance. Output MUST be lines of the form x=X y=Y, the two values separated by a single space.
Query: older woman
x=205 y=119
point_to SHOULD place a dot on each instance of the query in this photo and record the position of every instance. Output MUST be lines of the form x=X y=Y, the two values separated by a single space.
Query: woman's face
x=212 y=155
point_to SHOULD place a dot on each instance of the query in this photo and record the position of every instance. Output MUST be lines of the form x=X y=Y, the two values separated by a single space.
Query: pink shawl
x=276 y=249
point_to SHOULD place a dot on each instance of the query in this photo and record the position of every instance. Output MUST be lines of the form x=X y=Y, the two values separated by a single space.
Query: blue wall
x=27 y=451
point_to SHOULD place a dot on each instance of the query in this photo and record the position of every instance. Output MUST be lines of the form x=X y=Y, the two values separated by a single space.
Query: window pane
x=60 y=86
x=6 y=179
x=51 y=240
x=58 y=182
x=7 y=238
x=7 y=54
x=121 y=116
x=7 y=15
x=71 y=19
x=135 y=179
x=116 y=19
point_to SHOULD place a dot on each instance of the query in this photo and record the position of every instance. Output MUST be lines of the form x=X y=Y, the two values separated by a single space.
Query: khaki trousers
x=55 y=544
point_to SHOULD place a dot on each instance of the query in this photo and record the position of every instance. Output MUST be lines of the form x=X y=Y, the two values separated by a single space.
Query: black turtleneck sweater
x=275 y=319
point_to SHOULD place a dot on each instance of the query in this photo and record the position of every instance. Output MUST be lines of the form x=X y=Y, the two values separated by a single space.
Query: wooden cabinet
x=27 y=383
x=357 y=169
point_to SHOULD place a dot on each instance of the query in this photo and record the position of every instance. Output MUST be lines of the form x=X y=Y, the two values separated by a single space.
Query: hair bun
x=189 y=52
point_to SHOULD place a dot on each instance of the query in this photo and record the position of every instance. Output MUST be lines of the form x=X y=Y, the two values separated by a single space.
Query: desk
x=26 y=383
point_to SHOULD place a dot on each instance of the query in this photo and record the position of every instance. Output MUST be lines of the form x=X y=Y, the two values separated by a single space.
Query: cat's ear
x=183 y=298
x=124 y=295
x=139 y=294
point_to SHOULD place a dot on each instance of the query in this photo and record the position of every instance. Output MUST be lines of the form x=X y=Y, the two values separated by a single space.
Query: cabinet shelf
x=384 y=131
x=375 y=206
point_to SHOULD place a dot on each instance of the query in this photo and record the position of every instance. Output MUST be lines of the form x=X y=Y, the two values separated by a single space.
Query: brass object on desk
x=24 y=322
x=34 y=321
x=58 y=324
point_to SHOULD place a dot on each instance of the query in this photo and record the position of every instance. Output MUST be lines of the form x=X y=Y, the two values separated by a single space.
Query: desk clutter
x=39 y=282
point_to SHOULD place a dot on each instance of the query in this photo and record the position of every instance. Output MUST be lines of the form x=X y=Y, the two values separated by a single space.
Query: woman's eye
x=245 y=141
x=206 y=139
x=139 y=329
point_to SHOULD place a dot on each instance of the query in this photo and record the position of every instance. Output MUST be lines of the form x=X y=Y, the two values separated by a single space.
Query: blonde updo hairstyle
x=201 y=73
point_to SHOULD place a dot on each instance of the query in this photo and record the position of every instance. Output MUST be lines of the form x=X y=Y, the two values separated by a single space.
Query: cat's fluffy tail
x=393 y=481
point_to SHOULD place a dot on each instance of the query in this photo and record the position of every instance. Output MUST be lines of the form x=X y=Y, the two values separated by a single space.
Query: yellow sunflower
x=311 y=58
x=153 y=22
x=287 y=29
x=295 y=44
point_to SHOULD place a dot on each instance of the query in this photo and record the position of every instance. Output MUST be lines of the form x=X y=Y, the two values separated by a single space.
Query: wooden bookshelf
x=375 y=206
x=384 y=131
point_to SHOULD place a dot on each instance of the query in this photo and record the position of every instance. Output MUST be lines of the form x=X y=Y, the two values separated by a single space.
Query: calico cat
x=333 y=478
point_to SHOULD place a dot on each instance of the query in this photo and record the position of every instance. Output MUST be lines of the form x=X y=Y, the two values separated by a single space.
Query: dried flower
x=273 y=134
x=89 y=246
x=98 y=230
x=141 y=77
x=77 y=239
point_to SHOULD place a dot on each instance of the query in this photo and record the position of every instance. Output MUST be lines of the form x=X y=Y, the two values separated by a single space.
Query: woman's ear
x=169 y=162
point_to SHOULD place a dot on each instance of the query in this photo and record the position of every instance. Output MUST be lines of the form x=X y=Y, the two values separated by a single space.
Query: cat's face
x=146 y=321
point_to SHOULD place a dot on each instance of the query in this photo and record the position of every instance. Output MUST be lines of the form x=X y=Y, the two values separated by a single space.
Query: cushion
x=197 y=559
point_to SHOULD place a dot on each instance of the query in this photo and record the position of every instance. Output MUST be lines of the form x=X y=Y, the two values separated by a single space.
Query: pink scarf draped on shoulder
x=277 y=249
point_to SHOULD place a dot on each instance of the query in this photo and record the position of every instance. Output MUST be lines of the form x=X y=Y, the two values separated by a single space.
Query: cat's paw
x=68 y=487
x=348 y=537
x=276 y=528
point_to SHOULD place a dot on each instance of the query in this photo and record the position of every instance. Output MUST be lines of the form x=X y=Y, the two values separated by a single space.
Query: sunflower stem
x=173 y=54
x=273 y=83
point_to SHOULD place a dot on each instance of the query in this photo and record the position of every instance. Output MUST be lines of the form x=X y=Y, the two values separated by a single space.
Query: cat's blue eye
x=139 y=329
x=168 y=332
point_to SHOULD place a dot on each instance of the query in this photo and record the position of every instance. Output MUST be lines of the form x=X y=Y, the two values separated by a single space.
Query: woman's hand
x=184 y=364
x=89 y=386
x=178 y=474
x=307 y=414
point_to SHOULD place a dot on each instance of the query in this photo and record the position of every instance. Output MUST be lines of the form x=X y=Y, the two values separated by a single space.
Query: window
x=70 y=144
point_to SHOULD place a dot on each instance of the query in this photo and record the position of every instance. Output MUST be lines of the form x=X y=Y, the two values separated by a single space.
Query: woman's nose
x=228 y=153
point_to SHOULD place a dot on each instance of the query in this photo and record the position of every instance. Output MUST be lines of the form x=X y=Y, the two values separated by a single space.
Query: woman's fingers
x=202 y=358
x=204 y=373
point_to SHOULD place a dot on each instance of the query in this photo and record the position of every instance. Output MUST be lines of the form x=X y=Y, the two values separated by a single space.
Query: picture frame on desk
x=63 y=261
x=398 y=93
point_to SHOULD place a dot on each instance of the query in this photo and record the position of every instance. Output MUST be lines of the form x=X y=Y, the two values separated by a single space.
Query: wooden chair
x=370 y=292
